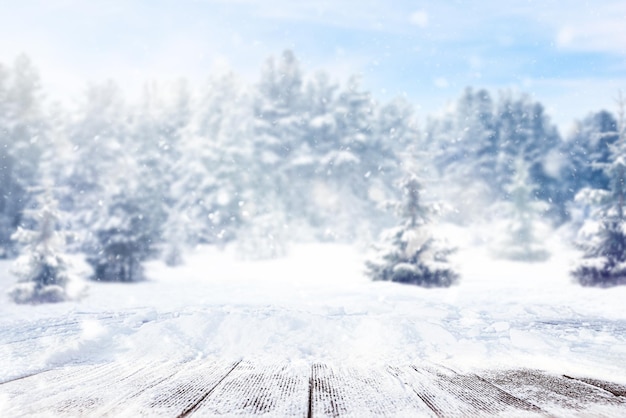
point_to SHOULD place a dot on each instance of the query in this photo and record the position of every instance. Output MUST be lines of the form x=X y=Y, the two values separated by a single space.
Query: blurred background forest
x=294 y=157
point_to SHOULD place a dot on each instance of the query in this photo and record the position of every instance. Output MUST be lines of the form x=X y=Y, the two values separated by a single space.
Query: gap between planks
x=195 y=406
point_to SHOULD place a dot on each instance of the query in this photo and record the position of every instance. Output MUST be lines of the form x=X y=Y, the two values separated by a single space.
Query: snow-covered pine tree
x=319 y=138
x=410 y=253
x=124 y=240
x=273 y=187
x=9 y=216
x=524 y=129
x=98 y=135
x=211 y=168
x=355 y=167
x=155 y=146
x=462 y=142
x=22 y=130
x=465 y=138
x=587 y=146
x=42 y=267
x=520 y=237
x=603 y=235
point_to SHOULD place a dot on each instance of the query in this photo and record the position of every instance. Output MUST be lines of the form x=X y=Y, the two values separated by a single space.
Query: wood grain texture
x=450 y=394
x=217 y=387
x=558 y=394
x=348 y=391
x=280 y=390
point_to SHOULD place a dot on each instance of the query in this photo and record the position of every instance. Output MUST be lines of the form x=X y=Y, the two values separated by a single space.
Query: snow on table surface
x=217 y=387
x=317 y=306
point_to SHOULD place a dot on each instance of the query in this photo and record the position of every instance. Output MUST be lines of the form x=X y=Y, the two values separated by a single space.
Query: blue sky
x=570 y=55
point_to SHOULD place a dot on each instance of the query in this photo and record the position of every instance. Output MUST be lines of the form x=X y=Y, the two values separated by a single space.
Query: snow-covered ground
x=317 y=305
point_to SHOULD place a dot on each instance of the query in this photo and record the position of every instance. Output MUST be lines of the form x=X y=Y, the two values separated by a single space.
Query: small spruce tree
x=409 y=252
x=603 y=236
x=42 y=266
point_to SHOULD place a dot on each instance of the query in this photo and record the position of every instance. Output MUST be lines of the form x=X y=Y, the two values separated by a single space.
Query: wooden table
x=214 y=387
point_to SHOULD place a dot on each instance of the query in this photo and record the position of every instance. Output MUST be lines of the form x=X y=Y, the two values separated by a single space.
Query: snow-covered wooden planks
x=450 y=394
x=614 y=388
x=218 y=387
x=558 y=394
x=357 y=392
x=81 y=390
x=278 y=390
x=180 y=394
x=52 y=390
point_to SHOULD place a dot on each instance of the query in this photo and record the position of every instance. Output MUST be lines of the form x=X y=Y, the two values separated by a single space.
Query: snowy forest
x=296 y=157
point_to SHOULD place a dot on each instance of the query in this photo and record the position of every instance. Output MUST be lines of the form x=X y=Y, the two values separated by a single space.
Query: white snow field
x=317 y=305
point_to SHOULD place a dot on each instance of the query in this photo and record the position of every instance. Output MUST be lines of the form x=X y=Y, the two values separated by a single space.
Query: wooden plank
x=348 y=391
x=24 y=396
x=280 y=390
x=177 y=395
x=44 y=382
x=83 y=390
x=614 y=388
x=557 y=394
x=450 y=394
x=102 y=395
x=211 y=387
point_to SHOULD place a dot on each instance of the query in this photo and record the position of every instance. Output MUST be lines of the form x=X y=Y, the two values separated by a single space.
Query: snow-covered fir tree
x=462 y=143
x=155 y=146
x=602 y=237
x=295 y=156
x=587 y=147
x=211 y=167
x=42 y=268
x=588 y=150
x=98 y=134
x=124 y=241
x=465 y=138
x=476 y=146
x=22 y=130
x=272 y=184
x=521 y=237
x=525 y=130
x=410 y=253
